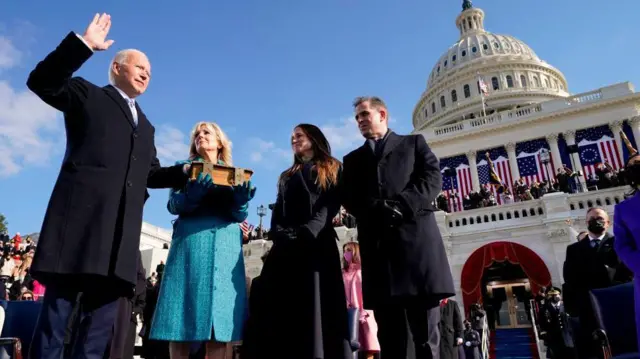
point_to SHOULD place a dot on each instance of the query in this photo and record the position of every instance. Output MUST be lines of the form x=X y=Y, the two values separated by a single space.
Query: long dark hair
x=325 y=164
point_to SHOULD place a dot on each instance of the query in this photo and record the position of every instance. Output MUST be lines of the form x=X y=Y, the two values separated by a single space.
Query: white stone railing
x=528 y=112
x=533 y=212
x=474 y=100
x=584 y=97
x=606 y=198
x=490 y=218
x=154 y=237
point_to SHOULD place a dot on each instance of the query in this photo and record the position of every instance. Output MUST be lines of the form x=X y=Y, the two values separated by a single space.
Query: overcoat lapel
x=115 y=95
x=392 y=141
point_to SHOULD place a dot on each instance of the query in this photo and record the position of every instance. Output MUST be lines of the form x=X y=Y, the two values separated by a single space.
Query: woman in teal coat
x=203 y=293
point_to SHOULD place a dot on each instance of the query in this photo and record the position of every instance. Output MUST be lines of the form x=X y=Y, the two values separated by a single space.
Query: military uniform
x=556 y=330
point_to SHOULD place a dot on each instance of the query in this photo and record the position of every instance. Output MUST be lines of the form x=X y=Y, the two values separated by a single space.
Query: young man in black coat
x=389 y=185
x=88 y=246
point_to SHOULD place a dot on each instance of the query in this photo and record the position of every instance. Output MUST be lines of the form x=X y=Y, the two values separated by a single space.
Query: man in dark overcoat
x=590 y=263
x=389 y=185
x=90 y=236
x=451 y=329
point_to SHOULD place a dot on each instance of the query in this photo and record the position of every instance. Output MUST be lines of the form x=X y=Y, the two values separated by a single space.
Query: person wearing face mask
x=591 y=263
x=626 y=228
x=472 y=342
x=352 y=277
x=555 y=328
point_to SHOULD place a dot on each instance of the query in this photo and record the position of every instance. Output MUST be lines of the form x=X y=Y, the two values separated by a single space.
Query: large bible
x=220 y=174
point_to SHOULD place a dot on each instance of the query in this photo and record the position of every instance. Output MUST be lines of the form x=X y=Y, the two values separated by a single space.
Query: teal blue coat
x=203 y=289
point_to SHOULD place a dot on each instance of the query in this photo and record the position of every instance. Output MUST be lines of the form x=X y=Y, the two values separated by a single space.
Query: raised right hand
x=96 y=33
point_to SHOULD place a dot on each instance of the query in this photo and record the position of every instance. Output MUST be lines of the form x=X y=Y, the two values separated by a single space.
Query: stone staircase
x=254 y=250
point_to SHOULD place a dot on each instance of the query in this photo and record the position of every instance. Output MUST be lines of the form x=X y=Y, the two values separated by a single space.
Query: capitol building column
x=616 y=127
x=570 y=138
x=471 y=157
x=552 y=139
x=635 y=127
x=513 y=161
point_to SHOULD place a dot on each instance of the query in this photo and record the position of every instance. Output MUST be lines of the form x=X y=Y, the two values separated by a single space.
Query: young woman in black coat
x=302 y=310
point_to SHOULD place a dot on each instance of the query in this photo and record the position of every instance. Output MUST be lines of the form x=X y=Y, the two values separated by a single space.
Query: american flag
x=457 y=187
x=246 y=228
x=597 y=145
x=530 y=166
x=483 y=86
x=501 y=167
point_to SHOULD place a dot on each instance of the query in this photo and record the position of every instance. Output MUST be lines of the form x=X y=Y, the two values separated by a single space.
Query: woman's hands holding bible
x=198 y=188
x=243 y=193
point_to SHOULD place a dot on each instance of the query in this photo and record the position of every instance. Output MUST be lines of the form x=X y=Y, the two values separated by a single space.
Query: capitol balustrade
x=553 y=206
x=506 y=92
x=528 y=112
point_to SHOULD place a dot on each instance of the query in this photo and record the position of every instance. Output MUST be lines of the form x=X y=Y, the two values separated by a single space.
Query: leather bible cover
x=220 y=174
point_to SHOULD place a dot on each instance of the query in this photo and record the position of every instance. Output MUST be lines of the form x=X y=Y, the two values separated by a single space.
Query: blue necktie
x=134 y=112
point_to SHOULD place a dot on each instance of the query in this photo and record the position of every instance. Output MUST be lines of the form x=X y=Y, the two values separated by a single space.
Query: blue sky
x=259 y=67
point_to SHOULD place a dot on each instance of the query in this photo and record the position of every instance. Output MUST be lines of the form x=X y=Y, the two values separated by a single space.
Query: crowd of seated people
x=605 y=176
x=17 y=283
x=565 y=180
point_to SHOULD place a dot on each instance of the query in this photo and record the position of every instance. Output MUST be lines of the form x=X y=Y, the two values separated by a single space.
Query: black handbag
x=353 y=317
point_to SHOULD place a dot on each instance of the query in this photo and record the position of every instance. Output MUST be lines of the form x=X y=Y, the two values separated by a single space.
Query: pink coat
x=368 y=334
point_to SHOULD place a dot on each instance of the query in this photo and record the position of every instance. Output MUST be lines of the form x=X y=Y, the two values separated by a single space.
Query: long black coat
x=409 y=259
x=450 y=329
x=92 y=226
x=283 y=320
x=587 y=268
x=474 y=349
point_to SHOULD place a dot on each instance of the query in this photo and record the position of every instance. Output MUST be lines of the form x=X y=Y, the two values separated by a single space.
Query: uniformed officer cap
x=553 y=291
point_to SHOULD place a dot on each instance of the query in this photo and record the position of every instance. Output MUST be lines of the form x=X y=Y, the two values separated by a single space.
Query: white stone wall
x=547 y=233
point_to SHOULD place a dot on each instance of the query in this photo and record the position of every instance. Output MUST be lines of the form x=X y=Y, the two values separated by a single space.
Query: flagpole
x=484 y=112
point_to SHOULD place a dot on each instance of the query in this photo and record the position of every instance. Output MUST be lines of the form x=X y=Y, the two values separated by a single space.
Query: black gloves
x=292 y=234
x=388 y=212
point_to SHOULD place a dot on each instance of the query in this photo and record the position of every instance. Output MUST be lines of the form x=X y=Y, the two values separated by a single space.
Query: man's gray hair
x=120 y=58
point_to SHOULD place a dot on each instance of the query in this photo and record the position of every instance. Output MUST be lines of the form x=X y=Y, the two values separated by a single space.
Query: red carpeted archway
x=482 y=258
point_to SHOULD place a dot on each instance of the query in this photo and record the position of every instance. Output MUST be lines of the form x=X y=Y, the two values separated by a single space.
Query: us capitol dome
x=514 y=74
x=521 y=160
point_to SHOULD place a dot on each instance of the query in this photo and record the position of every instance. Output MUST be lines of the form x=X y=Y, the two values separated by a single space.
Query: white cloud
x=171 y=144
x=9 y=55
x=29 y=130
x=267 y=153
x=343 y=136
